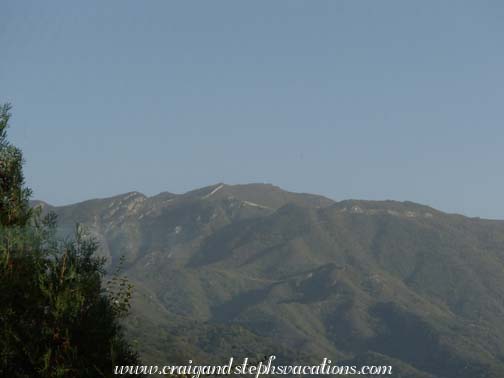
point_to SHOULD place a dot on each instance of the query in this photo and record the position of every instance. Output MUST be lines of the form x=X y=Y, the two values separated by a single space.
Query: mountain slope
x=253 y=269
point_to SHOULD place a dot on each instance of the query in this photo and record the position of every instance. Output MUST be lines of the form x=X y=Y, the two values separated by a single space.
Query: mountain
x=246 y=270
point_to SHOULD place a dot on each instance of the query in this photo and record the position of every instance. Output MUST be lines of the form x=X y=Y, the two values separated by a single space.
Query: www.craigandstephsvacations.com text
x=246 y=367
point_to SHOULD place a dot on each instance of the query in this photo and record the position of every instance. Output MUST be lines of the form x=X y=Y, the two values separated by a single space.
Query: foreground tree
x=14 y=208
x=56 y=319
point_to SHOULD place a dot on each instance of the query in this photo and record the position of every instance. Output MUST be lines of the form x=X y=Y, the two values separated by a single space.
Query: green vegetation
x=56 y=320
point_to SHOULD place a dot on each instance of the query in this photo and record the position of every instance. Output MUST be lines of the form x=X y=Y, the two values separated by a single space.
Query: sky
x=350 y=99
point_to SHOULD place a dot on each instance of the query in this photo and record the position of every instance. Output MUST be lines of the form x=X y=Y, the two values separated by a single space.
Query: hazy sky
x=351 y=99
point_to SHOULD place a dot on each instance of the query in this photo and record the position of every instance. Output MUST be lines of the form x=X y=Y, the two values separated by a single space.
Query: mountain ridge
x=206 y=190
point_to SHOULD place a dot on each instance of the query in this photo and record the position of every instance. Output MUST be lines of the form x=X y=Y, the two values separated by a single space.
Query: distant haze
x=368 y=100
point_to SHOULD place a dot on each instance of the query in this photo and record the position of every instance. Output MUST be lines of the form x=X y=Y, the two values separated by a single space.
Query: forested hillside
x=253 y=269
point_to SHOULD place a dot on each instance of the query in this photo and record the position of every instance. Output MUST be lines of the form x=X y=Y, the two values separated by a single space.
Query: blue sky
x=350 y=99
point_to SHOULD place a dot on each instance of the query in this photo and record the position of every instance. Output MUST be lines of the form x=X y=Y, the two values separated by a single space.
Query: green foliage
x=14 y=209
x=56 y=320
x=119 y=291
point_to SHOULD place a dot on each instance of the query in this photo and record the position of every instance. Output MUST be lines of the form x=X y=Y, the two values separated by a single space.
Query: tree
x=56 y=319
x=14 y=208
